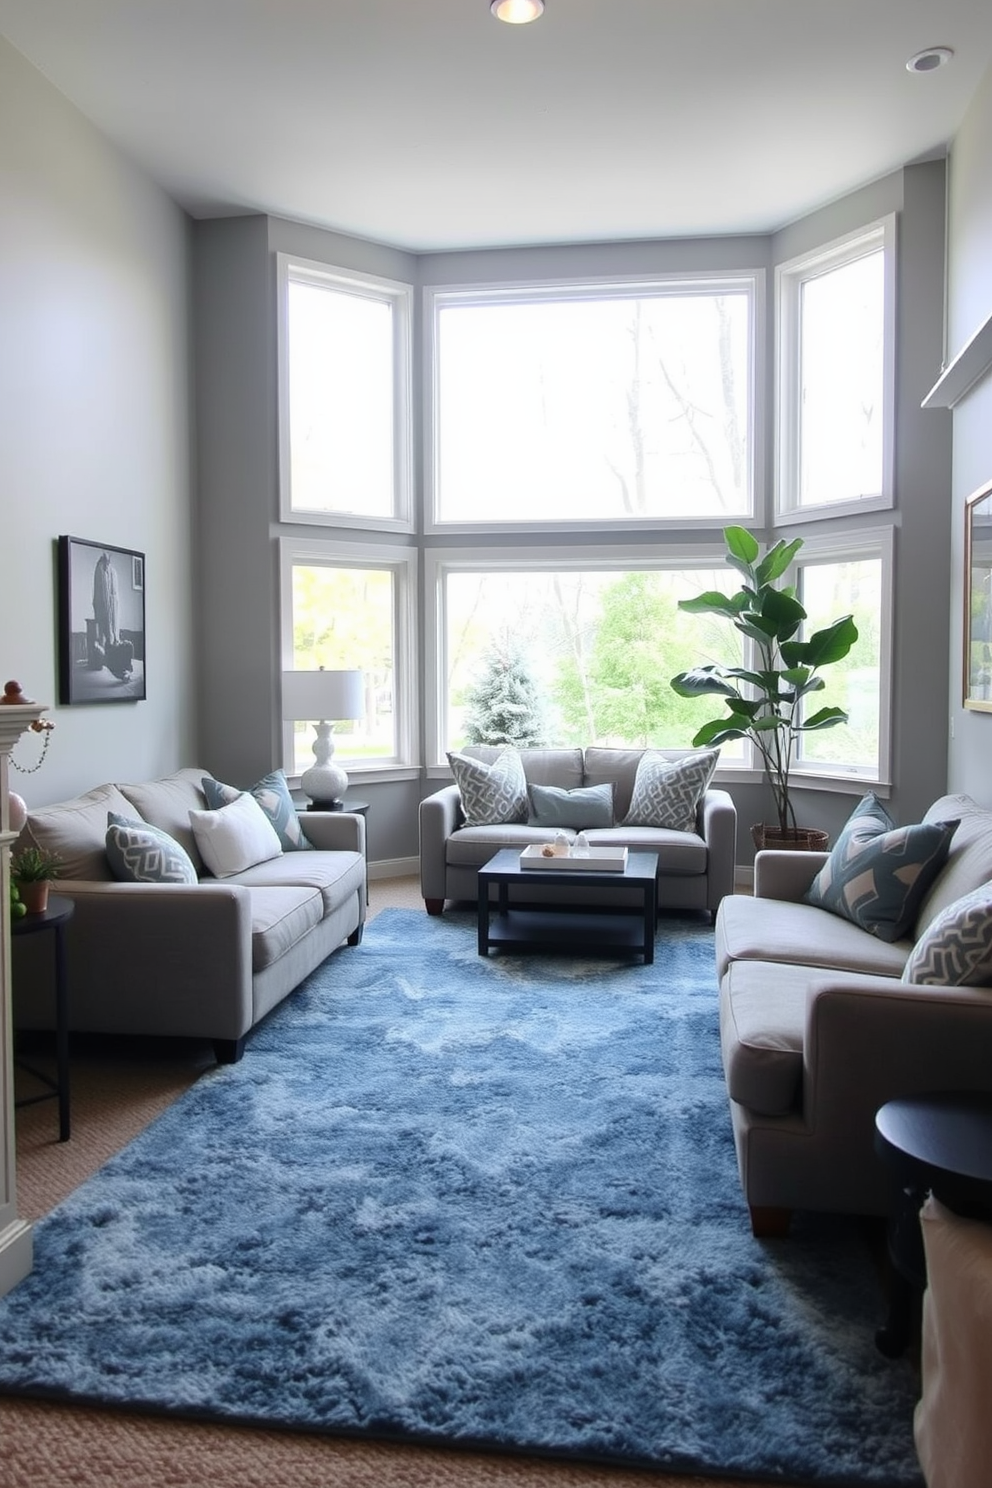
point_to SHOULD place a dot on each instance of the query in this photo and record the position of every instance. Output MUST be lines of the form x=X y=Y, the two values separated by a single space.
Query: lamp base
x=326 y=784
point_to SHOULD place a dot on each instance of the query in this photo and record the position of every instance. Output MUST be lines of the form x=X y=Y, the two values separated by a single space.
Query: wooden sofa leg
x=229 y=1051
x=768 y=1223
x=434 y=906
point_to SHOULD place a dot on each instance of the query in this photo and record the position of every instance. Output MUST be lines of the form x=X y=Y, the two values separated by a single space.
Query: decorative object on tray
x=594 y=859
x=768 y=709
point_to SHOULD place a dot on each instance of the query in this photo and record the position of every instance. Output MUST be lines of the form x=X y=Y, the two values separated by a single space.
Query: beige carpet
x=118 y=1086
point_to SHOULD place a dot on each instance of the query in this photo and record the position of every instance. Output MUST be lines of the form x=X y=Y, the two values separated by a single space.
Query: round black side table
x=939 y=1143
x=54 y=918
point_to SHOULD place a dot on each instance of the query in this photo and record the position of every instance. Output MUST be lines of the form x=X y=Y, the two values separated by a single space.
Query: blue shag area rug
x=489 y=1203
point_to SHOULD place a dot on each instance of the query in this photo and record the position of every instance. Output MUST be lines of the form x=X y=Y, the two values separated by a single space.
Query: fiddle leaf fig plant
x=767 y=703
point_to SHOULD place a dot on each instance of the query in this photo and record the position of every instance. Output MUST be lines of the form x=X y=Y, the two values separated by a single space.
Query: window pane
x=344 y=618
x=830 y=590
x=596 y=649
x=618 y=408
x=841 y=382
x=340 y=358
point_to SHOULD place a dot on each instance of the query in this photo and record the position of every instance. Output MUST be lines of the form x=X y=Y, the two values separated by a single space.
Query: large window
x=348 y=607
x=835 y=382
x=344 y=397
x=592 y=648
x=609 y=404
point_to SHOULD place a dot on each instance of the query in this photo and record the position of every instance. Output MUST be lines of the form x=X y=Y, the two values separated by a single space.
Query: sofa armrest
x=440 y=815
x=718 y=828
x=783 y=874
x=334 y=831
x=869 y=1041
x=181 y=951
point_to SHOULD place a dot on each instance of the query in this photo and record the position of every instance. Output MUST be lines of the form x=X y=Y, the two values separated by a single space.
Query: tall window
x=610 y=404
x=344 y=397
x=836 y=356
x=350 y=608
x=594 y=647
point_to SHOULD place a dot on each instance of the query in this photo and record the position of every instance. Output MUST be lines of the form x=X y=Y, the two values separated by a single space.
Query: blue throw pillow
x=878 y=873
x=588 y=806
x=272 y=794
x=140 y=853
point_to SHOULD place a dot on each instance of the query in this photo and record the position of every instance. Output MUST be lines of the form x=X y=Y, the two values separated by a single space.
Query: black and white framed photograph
x=101 y=622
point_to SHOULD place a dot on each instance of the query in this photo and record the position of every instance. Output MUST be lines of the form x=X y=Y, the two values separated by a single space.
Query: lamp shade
x=322 y=694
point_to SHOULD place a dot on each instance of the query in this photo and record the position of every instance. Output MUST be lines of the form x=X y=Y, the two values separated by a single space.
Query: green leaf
x=777 y=560
x=717 y=731
x=741 y=545
x=824 y=718
x=700 y=681
x=713 y=603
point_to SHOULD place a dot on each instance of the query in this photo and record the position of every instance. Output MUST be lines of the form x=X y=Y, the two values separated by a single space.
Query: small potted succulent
x=33 y=869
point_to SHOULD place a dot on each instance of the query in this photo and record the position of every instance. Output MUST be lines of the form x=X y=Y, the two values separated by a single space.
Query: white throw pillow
x=667 y=792
x=234 y=837
x=955 y=950
x=491 y=794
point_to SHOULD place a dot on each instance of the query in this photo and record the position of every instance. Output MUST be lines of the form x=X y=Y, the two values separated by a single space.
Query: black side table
x=54 y=918
x=938 y=1143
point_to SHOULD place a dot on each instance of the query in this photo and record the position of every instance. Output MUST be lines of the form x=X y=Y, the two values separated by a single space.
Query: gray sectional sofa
x=819 y=1029
x=206 y=959
x=695 y=868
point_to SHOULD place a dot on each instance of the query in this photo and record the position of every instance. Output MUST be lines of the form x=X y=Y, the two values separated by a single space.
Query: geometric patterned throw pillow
x=878 y=874
x=491 y=795
x=955 y=950
x=666 y=792
x=139 y=853
x=272 y=794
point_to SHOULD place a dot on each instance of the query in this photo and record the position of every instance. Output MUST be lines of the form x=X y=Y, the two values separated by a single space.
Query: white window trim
x=404 y=563
x=400 y=297
x=437 y=296
x=789 y=277
x=840 y=547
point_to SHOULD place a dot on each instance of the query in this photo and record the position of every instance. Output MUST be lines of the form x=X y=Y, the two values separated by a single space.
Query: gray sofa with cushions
x=695 y=868
x=204 y=960
x=818 y=1028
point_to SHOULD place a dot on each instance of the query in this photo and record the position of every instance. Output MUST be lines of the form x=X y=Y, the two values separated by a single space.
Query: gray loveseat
x=695 y=868
x=818 y=1029
x=206 y=960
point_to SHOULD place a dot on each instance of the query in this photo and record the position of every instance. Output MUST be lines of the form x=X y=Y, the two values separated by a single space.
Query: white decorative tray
x=599 y=860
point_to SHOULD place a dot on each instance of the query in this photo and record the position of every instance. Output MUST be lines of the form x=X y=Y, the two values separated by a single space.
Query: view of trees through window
x=615 y=406
x=827 y=591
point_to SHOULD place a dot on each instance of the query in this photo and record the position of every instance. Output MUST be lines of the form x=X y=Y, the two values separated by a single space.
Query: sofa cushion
x=491 y=793
x=617 y=767
x=667 y=792
x=235 y=836
x=680 y=854
x=762 y=1023
x=140 y=853
x=877 y=874
x=335 y=875
x=472 y=847
x=757 y=929
x=955 y=949
x=589 y=806
x=969 y=861
x=272 y=794
x=77 y=831
x=167 y=803
x=280 y=917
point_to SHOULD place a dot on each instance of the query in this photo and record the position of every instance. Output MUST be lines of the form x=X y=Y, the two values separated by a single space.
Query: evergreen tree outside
x=505 y=706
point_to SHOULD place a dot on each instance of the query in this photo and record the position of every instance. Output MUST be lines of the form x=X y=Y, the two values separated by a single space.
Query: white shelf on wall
x=959 y=377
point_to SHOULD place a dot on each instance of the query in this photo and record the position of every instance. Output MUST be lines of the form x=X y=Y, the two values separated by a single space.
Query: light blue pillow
x=272 y=794
x=140 y=853
x=586 y=807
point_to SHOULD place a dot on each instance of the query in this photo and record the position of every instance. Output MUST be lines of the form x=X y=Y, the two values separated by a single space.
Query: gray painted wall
x=969 y=306
x=94 y=422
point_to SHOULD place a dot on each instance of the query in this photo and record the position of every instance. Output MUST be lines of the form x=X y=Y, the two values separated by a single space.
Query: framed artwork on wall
x=978 y=600
x=101 y=622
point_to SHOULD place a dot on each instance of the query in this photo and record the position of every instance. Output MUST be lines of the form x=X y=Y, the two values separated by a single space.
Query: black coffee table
x=568 y=924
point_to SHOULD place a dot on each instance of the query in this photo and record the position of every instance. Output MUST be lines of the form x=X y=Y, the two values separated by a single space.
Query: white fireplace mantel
x=15 y=1233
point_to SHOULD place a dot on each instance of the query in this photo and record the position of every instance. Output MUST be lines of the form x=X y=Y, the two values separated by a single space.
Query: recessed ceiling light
x=929 y=60
x=517 y=12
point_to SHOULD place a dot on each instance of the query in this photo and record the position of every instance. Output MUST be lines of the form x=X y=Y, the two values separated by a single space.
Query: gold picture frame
x=977 y=651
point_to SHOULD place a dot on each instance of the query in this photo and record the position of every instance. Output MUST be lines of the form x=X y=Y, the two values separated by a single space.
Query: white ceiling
x=433 y=126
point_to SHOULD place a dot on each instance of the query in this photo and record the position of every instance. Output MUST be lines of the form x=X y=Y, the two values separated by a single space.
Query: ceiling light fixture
x=517 y=12
x=930 y=59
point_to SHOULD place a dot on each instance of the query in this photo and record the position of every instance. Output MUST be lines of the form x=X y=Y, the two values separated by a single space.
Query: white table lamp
x=329 y=697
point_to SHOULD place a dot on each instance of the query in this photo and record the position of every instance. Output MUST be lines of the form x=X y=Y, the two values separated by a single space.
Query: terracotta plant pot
x=34 y=896
x=795 y=839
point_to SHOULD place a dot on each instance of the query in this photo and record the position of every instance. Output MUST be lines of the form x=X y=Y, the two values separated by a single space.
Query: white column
x=15 y=1234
